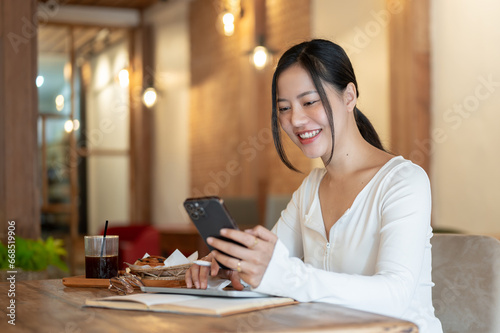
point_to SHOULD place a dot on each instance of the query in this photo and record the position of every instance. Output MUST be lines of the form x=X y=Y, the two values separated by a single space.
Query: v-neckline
x=348 y=210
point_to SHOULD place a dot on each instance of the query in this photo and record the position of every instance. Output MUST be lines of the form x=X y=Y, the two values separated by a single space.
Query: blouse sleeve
x=288 y=227
x=405 y=208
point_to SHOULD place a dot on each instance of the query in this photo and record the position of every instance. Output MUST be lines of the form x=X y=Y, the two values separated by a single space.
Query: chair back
x=275 y=204
x=244 y=211
x=135 y=241
x=466 y=273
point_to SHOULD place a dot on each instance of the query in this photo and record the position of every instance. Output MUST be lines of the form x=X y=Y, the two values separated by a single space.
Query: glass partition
x=83 y=128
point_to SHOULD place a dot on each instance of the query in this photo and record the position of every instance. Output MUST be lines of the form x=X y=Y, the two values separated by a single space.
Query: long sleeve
x=378 y=257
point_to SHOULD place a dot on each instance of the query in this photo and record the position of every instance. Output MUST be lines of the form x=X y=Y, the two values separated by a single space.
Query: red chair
x=135 y=241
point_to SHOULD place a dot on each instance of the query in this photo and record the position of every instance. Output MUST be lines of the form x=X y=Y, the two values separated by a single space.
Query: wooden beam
x=19 y=186
x=410 y=80
x=141 y=74
x=73 y=167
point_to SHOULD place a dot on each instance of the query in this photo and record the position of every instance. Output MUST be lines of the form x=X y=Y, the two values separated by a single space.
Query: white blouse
x=378 y=257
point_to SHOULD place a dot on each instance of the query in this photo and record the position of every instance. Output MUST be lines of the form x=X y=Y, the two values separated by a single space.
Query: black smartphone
x=209 y=215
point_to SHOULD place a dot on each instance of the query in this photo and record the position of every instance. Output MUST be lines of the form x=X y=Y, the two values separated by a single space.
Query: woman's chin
x=311 y=154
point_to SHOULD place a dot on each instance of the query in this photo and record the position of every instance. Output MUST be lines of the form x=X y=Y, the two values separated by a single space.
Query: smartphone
x=209 y=215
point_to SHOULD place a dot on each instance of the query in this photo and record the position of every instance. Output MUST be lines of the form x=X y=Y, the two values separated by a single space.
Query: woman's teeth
x=308 y=135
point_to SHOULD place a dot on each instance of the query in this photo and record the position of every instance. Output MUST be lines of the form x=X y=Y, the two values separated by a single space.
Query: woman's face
x=302 y=115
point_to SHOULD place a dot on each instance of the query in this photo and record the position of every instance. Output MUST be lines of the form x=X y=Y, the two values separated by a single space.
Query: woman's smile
x=307 y=137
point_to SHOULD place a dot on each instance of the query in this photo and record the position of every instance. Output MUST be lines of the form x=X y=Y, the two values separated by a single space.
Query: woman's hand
x=197 y=275
x=251 y=261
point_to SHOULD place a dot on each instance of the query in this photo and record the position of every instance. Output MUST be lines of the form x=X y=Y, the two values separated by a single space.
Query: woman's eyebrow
x=299 y=95
x=306 y=93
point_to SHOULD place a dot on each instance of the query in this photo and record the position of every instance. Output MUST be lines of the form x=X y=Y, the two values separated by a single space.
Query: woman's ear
x=350 y=98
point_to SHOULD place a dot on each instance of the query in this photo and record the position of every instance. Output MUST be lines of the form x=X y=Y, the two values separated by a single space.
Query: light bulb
x=228 y=18
x=149 y=97
x=227 y=25
x=59 y=102
x=68 y=126
x=39 y=81
x=260 y=56
x=228 y=29
x=123 y=78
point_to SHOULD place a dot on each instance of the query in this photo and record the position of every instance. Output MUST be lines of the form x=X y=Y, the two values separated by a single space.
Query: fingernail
x=197 y=285
x=223 y=231
x=210 y=240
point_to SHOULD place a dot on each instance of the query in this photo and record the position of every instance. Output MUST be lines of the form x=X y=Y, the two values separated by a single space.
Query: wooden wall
x=232 y=152
x=19 y=181
x=410 y=80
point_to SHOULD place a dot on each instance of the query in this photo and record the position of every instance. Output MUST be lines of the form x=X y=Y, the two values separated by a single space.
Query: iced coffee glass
x=101 y=261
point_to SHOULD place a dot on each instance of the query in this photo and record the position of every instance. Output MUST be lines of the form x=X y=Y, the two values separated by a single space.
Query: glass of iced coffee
x=101 y=257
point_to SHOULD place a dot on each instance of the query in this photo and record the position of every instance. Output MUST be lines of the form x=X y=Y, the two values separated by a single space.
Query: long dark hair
x=326 y=62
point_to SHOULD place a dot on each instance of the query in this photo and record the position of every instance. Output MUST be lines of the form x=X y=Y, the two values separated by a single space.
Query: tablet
x=205 y=292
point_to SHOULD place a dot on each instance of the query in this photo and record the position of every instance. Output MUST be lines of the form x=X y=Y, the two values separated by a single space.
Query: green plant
x=35 y=255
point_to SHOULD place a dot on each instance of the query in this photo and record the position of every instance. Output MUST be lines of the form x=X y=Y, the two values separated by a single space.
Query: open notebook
x=188 y=304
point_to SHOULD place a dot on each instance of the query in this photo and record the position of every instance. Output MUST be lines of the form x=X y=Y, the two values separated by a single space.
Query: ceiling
x=136 y=4
x=55 y=39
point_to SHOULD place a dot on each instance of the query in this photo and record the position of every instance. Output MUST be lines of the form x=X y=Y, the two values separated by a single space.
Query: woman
x=357 y=232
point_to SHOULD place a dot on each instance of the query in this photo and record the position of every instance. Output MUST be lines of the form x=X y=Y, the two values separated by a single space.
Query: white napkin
x=215 y=282
x=176 y=258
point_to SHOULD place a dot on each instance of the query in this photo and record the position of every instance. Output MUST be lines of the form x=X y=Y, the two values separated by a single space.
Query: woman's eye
x=283 y=108
x=310 y=103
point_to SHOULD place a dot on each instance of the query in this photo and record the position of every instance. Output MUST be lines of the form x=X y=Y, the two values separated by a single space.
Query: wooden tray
x=82 y=282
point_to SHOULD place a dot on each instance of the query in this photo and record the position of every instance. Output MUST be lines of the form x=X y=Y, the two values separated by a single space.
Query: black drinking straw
x=104 y=238
x=101 y=263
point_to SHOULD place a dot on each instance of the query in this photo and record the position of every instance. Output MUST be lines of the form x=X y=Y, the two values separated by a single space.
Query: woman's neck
x=350 y=155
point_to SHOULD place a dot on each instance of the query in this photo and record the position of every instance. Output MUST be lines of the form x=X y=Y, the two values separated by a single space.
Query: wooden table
x=49 y=306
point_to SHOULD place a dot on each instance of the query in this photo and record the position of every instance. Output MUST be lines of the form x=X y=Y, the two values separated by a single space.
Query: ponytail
x=367 y=130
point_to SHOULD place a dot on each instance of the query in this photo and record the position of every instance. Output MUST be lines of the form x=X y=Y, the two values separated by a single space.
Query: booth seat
x=135 y=241
x=466 y=273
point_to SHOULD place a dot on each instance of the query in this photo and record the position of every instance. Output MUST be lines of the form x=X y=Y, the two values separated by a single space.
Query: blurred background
x=119 y=110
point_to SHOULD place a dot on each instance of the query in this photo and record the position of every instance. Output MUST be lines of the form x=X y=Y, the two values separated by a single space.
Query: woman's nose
x=298 y=117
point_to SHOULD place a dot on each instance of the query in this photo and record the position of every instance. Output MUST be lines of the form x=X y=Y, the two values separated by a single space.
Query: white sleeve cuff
x=278 y=279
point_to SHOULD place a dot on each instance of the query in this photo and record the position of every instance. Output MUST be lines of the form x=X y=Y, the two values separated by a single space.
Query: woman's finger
x=187 y=279
x=214 y=269
x=203 y=276
x=193 y=275
x=230 y=248
x=244 y=238
x=262 y=233
x=228 y=261
x=235 y=280
x=233 y=276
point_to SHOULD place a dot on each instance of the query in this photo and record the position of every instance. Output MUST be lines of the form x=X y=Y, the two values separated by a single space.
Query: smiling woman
x=307 y=80
x=356 y=232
